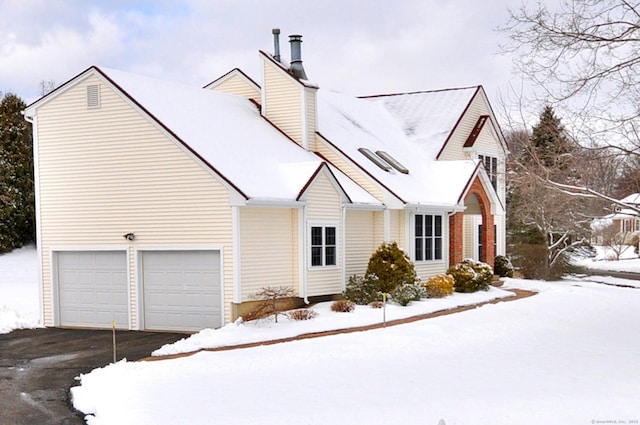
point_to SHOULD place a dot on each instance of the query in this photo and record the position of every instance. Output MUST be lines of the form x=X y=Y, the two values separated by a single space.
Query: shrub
x=407 y=292
x=391 y=267
x=302 y=314
x=362 y=290
x=471 y=276
x=502 y=266
x=376 y=304
x=343 y=306
x=439 y=286
x=273 y=301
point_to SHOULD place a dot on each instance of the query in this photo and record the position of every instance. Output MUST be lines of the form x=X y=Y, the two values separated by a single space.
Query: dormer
x=238 y=83
x=288 y=98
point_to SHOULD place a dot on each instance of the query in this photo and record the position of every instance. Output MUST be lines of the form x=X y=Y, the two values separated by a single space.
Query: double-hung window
x=428 y=237
x=491 y=165
x=324 y=250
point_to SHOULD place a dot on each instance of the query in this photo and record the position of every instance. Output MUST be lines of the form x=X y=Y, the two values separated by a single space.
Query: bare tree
x=585 y=57
x=46 y=87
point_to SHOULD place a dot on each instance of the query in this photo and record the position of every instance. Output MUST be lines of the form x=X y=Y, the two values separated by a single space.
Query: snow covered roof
x=632 y=199
x=412 y=128
x=230 y=136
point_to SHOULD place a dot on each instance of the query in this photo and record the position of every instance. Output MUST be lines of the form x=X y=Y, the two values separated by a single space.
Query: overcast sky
x=355 y=46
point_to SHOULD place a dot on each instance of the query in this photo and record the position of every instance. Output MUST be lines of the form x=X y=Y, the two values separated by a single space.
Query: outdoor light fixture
x=129 y=236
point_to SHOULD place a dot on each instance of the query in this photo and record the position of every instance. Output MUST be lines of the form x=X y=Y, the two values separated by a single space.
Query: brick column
x=455 y=238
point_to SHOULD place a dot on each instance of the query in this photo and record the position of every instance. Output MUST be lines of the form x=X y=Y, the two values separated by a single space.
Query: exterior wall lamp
x=129 y=236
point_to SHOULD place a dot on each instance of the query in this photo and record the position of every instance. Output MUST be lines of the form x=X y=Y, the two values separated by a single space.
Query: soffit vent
x=393 y=162
x=93 y=96
x=375 y=159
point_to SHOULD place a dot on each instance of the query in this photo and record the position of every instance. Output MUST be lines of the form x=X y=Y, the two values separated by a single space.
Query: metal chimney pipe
x=276 y=43
x=296 y=56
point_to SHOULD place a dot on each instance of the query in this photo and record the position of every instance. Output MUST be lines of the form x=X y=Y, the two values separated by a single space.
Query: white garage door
x=92 y=289
x=181 y=290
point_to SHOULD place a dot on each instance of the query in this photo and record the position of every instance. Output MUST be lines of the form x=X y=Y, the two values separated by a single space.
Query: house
x=166 y=207
x=623 y=222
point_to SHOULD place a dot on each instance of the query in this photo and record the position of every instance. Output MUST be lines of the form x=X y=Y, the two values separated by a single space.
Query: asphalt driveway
x=39 y=366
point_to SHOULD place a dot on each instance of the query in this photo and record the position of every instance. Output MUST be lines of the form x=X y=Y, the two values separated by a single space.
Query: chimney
x=276 y=43
x=296 y=57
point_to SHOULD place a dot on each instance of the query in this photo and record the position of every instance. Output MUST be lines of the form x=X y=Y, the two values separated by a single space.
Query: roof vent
x=393 y=162
x=93 y=96
x=296 y=57
x=276 y=43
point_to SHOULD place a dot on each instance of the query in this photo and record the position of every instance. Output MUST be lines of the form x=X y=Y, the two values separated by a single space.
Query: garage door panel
x=92 y=289
x=181 y=290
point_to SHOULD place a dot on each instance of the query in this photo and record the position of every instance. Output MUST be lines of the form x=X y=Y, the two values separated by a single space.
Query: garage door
x=181 y=290
x=92 y=289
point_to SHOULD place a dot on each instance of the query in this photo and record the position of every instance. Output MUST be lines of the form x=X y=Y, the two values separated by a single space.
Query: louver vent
x=393 y=162
x=93 y=96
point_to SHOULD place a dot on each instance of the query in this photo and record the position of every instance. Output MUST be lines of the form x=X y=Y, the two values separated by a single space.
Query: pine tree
x=552 y=148
x=17 y=206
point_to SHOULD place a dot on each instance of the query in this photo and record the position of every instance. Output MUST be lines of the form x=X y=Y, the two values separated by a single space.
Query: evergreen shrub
x=471 y=276
x=405 y=293
x=439 y=286
x=502 y=266
x=361 y=290
x=391 y=267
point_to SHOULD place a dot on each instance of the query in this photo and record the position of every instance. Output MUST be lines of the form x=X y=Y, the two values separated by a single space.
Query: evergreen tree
x=17 y=206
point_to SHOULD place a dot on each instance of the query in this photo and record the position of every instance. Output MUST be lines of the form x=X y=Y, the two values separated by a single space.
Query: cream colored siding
x=237 y=85
x=430 y=269
x=268 y=249
x=468 y=239
x=283 y=100
x=310 y=117
x=108 y=171
x=362 y=240
x=324 y=208
x=398 y=229
x=346 y=167
x=454 y=149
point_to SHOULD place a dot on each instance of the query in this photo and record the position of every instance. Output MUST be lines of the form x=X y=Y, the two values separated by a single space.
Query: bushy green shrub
x=391 y=266
x=362 y=290
x=471 y=276
x=502 y=266
x=343 y=306
x=405 y=293
x=439 y=286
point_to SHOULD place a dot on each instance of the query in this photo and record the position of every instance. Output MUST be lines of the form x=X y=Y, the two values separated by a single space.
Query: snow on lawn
x=628 y=262
x=19 y=297
x=567 y=355
x=265 y=330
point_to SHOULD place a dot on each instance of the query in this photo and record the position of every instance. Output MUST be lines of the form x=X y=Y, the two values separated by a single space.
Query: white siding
x=268 y=249
x=108 y=171
x=324 y=207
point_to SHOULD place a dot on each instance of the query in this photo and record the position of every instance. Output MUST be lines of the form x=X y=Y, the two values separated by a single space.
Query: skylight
x=375 y=159
x=393 y=162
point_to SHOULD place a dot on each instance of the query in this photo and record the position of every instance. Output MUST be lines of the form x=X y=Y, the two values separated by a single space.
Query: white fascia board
x=277 y=203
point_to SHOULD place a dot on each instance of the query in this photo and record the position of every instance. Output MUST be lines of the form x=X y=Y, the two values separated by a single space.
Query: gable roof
x=226 y=132
x=402 y=129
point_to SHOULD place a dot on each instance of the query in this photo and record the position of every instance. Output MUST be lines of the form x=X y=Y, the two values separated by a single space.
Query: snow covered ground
x=19 y=299
x=567 y=355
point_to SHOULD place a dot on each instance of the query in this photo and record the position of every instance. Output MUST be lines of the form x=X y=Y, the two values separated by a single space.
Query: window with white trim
x=428 y=237
x=491 y=165
x=324 y=249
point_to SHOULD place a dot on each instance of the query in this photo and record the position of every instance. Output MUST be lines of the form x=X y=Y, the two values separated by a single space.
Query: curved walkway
x=517 y=294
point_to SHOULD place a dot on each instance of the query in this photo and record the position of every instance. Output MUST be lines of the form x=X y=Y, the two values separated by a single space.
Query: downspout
x=344 y=248
x=302 y=253
x=36 y=183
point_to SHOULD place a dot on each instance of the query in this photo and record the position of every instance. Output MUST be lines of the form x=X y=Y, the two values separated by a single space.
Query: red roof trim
x=234 y=70
x=446 y=142
x=168 y=130
x=360 y=167
x=416 y=92
x=285 y=70
x=473 y=136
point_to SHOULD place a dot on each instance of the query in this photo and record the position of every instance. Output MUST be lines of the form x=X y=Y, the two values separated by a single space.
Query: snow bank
x=265 y=330
x=19 y=293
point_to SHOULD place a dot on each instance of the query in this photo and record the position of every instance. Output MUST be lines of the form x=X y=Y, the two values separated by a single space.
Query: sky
x=353 y=46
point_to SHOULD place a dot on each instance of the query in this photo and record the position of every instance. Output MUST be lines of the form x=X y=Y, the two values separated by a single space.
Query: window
x=324 y=250
x=428 y=237
x=491 y=165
